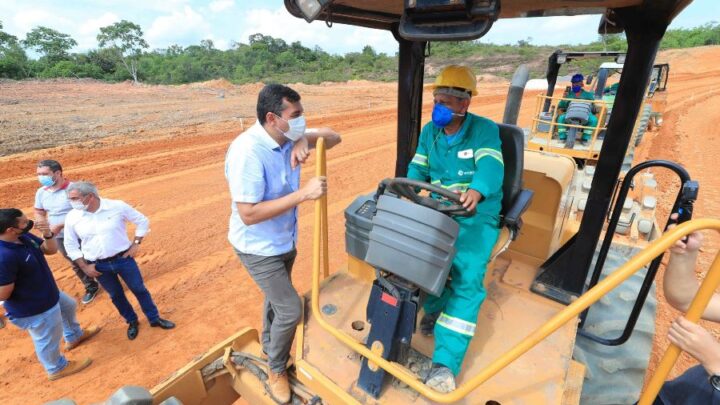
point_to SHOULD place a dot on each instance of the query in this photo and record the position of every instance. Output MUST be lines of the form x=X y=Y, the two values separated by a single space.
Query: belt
x=111 y=258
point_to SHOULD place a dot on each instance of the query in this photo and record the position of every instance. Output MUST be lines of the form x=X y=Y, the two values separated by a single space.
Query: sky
x=187 y=22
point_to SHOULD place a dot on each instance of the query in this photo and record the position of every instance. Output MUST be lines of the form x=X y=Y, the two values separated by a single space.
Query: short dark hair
x=9 y=218
x=271 y=98
x=53 y=165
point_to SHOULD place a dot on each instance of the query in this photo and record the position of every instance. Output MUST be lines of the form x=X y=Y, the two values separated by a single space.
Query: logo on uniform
x=469 y=172
x=465 y=154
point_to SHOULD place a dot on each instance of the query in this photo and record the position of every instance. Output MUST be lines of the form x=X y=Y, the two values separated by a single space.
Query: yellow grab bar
x=568 y=313
x=697 y=308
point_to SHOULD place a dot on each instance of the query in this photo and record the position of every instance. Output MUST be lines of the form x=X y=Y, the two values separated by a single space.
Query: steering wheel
x=448 y=202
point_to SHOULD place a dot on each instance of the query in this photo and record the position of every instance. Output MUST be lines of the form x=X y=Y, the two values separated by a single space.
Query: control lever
x=685 y=209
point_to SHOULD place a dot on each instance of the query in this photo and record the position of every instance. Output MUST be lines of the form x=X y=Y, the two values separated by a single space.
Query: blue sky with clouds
x=186 y=22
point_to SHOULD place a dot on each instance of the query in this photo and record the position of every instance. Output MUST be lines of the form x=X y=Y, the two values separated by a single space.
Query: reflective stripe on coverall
x=473 y=160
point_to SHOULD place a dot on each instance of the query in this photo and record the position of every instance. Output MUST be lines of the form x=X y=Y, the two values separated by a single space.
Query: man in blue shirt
x=32 y=298
x=262 y=167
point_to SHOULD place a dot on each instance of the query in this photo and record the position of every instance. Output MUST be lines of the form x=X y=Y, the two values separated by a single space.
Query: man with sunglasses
x=32 y=298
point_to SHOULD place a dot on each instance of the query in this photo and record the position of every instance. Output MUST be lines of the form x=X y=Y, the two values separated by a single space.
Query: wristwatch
x=715 y=381
x=52 y=234
x=137 y=242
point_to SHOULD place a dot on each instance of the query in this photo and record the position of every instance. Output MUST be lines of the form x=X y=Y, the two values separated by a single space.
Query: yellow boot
x=279 y=386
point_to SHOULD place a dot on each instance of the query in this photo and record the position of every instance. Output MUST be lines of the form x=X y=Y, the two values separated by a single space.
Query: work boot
x=279 y=387
x=72 y=367
x=427 y=323
x=441 y=379
x=90 y=295
x=87 y=334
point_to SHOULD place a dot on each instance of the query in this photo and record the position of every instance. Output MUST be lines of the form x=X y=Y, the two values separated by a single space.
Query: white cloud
x=220 y=5
x=544 y=30
x=88 y=31
x=26 y=20
x=338 y=39
x=180 y=27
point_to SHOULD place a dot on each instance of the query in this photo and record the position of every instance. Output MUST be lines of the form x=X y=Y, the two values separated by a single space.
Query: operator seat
x=516 y=200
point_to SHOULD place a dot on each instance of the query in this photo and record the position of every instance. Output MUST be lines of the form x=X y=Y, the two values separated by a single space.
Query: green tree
x=125 y=39
x=13 y=60
x=53 y=45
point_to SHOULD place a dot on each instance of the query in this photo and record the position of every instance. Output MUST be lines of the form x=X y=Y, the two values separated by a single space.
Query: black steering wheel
x=445 y=201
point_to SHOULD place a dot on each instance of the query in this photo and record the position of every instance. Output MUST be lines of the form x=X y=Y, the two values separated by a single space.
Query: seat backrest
x=513 y=147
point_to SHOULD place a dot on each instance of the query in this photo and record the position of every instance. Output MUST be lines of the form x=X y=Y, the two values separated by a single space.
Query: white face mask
x=78 y=205
x=297 y=128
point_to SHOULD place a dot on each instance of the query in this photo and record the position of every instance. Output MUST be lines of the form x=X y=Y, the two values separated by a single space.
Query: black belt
x=111 y=258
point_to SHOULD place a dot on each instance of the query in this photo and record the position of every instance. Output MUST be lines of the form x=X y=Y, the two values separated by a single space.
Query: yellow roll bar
x=552 y=122
x=656 y=248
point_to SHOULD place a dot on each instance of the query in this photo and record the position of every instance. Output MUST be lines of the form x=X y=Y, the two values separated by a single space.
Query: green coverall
x=563 y=105
x=472 y=160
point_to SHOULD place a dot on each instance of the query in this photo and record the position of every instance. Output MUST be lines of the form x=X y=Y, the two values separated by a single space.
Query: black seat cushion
x=513 y=145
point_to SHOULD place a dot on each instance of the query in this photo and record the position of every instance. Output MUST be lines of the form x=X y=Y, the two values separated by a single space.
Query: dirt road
x=171 y=169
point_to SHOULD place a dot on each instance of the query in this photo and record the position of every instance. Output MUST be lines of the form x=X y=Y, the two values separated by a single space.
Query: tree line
x=123 y=54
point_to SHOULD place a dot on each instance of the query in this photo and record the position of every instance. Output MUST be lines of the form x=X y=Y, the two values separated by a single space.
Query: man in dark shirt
x=32 y=299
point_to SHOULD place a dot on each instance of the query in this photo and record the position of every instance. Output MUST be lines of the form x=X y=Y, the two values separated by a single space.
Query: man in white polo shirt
x=96 y=240
x=262 y=168
x=52 y=205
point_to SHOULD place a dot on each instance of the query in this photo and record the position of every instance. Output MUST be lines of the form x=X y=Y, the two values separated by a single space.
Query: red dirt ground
x=161 y=148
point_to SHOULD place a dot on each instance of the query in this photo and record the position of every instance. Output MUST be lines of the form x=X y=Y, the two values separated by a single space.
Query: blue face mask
x=46 y=181
x=442 y=115
x=576 y=88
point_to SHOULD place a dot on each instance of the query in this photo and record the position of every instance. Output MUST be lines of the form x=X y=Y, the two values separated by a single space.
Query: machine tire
x=643 y=124
x=615 y=374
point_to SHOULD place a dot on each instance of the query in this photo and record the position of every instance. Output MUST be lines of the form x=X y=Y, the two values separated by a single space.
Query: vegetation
x=122 y=55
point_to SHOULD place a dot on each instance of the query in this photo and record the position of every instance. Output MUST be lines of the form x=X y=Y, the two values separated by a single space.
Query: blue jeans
x=47 y=328
x=127 y=269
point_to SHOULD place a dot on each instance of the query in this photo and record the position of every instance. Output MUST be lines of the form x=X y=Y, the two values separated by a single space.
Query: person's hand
x=89 y=269
x=315 y=188
x=470 y=199
x=691 y=245
x=43 y=227
x=56 y=229
x=132 y=251
x=300 y=152
x=697 y=342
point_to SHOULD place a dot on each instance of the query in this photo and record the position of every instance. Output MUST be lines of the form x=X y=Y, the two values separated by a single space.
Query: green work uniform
x=472 y=159
x=563 y=105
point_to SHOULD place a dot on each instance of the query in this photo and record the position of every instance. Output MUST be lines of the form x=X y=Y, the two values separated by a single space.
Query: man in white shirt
x=262 y=167
x=51 y=206
x=96 y=239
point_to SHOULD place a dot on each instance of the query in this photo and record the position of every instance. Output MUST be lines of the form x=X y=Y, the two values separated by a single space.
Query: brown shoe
x=73 y=366
x=279 y=387
x=87 y=334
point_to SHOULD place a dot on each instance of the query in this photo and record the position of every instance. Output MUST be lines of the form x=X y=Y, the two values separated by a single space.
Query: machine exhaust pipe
x=515 y=94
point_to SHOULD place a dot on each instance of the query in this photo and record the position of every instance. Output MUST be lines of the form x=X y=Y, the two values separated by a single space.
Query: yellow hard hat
x=459 y=77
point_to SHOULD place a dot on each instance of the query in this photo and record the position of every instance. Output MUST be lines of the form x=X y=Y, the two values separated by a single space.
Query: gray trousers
x=282 y=307
x=89 y=282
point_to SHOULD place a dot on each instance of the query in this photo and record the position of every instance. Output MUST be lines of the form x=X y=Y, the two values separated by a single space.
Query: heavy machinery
x=356 y=343
x=603 y=84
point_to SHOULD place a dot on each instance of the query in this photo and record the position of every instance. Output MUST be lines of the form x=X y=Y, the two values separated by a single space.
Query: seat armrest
x=512 y=219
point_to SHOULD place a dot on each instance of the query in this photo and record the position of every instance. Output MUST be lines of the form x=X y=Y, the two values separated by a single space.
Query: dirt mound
x=490 y=78
x=218 y=84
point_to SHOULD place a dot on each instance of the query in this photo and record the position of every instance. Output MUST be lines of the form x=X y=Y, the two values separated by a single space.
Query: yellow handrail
x=697 y=308
x=553 y=122
x=568 y=313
